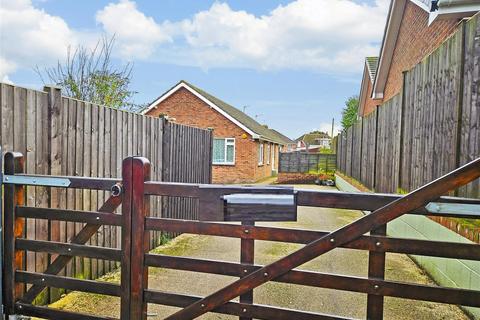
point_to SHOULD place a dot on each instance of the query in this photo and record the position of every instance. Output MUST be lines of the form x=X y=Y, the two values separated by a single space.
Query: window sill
x=260 y=164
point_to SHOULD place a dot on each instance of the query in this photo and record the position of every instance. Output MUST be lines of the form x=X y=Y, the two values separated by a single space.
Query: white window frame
x=260 y=152
x=228 y=142
x=269 y=153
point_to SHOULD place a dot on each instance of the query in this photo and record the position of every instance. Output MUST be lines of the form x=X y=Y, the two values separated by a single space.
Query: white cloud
x=30 y=36
x=320 y=35
x=137 y=35
x=6 y=67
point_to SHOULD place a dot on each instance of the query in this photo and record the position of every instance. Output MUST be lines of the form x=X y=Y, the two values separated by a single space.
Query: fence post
x=374 y=181
x=54 y=147
x=376 y=270
x=135 y=240
x=247 y=254
x=459 y=106
x=13 y=196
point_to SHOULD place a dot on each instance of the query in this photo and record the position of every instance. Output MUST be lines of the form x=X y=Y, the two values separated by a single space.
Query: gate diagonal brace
x=82 y=237
x=352 y=231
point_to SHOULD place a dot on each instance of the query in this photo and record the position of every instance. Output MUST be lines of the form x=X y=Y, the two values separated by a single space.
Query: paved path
x=340 y=261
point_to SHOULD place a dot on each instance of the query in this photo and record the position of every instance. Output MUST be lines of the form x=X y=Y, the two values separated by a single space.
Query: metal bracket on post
x=36 y=181
x=453 y=208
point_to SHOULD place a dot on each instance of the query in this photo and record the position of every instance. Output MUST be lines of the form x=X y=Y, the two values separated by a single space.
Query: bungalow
x=244 y=151
x=313 y=141
x=414 y=29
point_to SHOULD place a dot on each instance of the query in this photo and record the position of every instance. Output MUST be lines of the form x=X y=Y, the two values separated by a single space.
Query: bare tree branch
x=90 y=75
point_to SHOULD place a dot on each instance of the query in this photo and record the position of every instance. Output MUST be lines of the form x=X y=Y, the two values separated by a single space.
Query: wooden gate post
x=135 y=239
x=247 y=254
x=13 y=196
x=376 y=270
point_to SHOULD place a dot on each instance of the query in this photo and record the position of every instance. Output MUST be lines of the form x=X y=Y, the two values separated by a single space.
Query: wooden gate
x=226 y=203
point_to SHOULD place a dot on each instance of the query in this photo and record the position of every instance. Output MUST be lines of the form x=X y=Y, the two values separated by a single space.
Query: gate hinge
x=36 y=181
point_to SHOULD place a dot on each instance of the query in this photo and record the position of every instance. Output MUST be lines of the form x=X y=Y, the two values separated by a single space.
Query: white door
x=273 y=157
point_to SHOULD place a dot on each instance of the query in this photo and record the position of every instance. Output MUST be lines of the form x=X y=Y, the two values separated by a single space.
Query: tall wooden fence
x=429 y=129
x=300 y=162
x=64 y=136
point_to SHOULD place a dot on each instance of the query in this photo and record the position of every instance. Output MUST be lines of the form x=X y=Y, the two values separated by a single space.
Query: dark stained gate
x=218 y=203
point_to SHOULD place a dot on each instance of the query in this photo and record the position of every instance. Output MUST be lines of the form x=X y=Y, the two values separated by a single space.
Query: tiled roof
x=263 y=131
x=286 y=139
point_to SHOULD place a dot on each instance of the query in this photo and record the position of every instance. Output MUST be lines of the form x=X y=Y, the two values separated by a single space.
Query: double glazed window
x=224 y=151
x=260 y=154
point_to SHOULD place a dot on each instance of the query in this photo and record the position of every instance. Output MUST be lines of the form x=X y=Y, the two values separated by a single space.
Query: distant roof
x=286 y=139
x=238 y=117
x=310 y=138
x=372 y=64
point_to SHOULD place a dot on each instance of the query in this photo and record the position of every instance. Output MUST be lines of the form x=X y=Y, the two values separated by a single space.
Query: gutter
x=454 y=9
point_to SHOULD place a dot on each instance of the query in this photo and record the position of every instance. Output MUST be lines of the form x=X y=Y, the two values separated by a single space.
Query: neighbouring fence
x=299 y=167
x=63 y=136
x=306 y=162
x=429 y=129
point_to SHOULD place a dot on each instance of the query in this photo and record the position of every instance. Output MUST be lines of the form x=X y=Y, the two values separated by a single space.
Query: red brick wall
x=188 y=109
x=370 y=104
x=416 y=40
x=296 y=177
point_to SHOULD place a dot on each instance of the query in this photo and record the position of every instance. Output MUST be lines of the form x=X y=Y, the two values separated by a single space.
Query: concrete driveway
x=339 y=261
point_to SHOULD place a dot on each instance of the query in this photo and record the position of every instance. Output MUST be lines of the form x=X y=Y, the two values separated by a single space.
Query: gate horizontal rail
x=325 y=199
x=68 y=249
x=133 y=190
x=370 y=243
x=256 y=311
x=91 y=217
x=324 y=280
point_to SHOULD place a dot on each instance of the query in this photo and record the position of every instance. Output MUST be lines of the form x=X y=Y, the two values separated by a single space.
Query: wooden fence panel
x=427 y=130
x=344 y=151
x=469 y=140
x=368 y=149
x=64 y=136
x=307 y=162
x=430 y=115
x=357 y=150
x=388 y=146
x=348 y=150
x=184 y=166
x=338 y=151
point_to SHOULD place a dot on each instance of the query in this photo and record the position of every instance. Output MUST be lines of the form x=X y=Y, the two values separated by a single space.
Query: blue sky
x=292 y=63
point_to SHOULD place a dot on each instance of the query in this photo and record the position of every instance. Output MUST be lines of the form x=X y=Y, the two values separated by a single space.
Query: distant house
x=414 y=29
x=244 y=151
x=313 y=142
x=289 y=144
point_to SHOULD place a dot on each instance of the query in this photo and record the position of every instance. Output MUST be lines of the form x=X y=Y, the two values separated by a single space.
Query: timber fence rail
x=61 y=136
x=430 y=128
x=137 y=219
